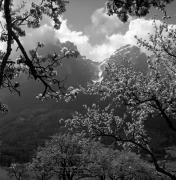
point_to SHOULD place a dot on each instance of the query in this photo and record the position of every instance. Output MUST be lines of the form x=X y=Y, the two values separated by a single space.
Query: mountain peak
x=128 y=52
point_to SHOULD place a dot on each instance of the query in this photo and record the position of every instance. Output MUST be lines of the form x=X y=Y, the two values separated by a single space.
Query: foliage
x=124 y=8
x=97 y=159
x=144 y=96
x=14 y=23
x=127 y=165
x=74 y=157
x=61 y=157
x=18 y=171
x=17 y=145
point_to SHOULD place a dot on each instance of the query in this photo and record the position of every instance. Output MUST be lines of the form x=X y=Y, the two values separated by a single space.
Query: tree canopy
x=144 y=97
x=74 y=157
x=15 y=21
x=124 y=8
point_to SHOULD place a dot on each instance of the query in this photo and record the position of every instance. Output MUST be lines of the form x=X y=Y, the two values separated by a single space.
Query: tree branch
x=9 y=40
x=32 y=68
x=147 y=150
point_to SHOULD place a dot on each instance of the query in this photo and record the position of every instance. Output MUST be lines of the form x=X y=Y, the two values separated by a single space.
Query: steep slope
x=157 y=127
x=30 y=121
x=129 y=53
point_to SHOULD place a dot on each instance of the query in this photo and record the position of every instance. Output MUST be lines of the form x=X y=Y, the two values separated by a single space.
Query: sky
x=99 y=34
x=96 y=35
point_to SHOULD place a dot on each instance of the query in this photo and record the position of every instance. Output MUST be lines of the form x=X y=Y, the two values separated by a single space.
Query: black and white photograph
x=87 y=89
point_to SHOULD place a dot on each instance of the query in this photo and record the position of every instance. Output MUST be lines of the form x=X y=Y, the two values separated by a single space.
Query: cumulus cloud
x=104 y=24
x=99 y=52
x=2 y=44
x=137 y=27
x=111 y=28
x=108 y=26
x=45 y=34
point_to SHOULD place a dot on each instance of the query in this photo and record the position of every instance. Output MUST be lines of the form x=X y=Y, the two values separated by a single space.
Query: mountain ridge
x=30 y=122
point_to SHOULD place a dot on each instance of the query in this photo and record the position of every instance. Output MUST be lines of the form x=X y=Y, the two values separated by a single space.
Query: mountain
x=128 y=52
x=157 y=126
x=29 y=121
x=73 y=71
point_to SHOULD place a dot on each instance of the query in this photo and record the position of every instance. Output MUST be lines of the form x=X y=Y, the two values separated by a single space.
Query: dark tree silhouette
x=43 y=69
x=124 y=8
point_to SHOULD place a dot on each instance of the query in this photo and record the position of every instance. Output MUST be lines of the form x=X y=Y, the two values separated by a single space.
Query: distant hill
x=30 y=122
x=157 y=127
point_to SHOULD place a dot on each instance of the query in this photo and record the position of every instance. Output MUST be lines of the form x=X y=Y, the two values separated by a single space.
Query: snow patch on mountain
x=128 y=52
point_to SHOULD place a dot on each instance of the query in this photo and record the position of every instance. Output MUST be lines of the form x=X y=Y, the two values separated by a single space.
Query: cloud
x=77 y=37
x=111 y=29
x=45 y=34
x=108 y=26
x=99 y=52
x=104 y=24
x=137 y=27
x=141 y=28
x=2 y=44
